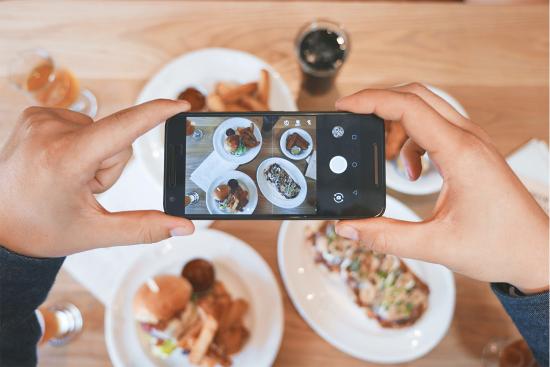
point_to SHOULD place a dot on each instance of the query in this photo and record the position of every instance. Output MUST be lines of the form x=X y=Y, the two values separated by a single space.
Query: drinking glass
x=192 y=131
x=504 y=352
x=322 y=47
x=35 y=73
x=191 y=198
x=60 y=323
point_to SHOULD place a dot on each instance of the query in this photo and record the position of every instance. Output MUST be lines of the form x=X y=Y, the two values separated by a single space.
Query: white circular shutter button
x=338 y=164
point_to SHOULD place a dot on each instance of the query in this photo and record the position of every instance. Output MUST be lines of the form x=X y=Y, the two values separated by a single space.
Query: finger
x=110 y=171
x=146 y=226
x=118 y=131
x=411 y=154
x=444 y=108
x=72 y=116
x=421 y=122
x=389 y=236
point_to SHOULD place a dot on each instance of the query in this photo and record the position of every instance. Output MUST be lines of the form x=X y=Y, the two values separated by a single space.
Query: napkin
x=211 y=168
x=311 y=170
x=530 y=164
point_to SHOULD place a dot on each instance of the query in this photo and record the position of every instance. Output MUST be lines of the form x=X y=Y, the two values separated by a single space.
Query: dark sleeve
x=24 y=285
x=530 y=314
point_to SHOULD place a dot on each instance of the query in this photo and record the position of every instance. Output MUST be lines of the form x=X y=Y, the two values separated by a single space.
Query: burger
x=162 y=307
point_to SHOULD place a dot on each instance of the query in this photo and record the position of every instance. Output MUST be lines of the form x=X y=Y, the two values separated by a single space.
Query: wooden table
x=493 y=59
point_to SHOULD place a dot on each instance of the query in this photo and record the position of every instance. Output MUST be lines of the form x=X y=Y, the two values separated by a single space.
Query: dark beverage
x=322 y=48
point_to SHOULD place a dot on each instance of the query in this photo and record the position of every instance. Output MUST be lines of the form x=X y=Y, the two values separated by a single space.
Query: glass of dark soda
x=322 y=47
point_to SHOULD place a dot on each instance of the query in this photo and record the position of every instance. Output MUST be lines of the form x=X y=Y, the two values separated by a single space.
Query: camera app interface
x=262 y=165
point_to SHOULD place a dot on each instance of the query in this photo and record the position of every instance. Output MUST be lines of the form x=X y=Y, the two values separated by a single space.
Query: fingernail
x=348 y=232
x=409 y=172
x=180 y=231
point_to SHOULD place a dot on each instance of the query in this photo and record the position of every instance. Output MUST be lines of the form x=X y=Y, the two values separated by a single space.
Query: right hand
x=485 y=224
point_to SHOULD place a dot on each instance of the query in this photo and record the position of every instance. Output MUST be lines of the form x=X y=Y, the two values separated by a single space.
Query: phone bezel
x=169 y=139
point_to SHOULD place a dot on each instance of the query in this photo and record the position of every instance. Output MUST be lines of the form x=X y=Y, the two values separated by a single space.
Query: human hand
x=52 y=165
x=485 y=224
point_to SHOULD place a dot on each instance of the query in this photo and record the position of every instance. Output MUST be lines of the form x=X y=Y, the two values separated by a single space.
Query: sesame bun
x=161 y=298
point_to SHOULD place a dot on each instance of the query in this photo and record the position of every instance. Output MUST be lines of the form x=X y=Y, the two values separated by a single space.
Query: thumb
x=389 y=236
x=144 y=226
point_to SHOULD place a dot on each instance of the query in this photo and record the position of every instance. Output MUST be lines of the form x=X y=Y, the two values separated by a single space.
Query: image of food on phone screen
x=251 y=165
x=268 y=166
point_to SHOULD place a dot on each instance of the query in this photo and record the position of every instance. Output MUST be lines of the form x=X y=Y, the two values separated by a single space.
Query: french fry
x=200 y=346
x=253 y=104
x=264 y=85
x=234 y=314
x=232 y=95
x=224 y=87
x=215 y=103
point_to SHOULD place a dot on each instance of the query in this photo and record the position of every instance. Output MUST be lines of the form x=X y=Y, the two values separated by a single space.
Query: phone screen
x=275 y=165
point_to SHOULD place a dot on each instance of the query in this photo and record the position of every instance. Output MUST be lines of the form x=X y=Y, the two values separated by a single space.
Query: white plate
x=331 y=312
x=430 y=181
x=243 y=179
x=218 y=140
x=270 y=192
x=244 y=273
x=304 y=134
x=202 y=69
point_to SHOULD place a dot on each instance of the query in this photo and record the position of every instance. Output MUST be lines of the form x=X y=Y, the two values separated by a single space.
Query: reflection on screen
x=251 y=165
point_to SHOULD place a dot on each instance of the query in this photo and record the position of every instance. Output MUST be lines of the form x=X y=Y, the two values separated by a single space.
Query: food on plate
x=296 y=144
x=381 y=284
x=395 y=138
x=196 y=99
x=200 y=274
x=240 y=141
x=231 y=197
x=282 y=181
x=233 y=97
x=208 y=326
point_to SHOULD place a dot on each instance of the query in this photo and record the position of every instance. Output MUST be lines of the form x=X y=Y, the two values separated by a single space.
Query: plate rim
x=333 y=341
x=278 y=310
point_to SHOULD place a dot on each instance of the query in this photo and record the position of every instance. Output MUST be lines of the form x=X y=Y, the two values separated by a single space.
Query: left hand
x=54 y=163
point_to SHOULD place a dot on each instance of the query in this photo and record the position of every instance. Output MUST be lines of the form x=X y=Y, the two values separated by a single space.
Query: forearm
x=24 y=285
x=530 y=314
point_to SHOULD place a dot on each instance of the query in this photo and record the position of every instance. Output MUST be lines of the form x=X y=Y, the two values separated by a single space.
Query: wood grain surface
x=493 y=59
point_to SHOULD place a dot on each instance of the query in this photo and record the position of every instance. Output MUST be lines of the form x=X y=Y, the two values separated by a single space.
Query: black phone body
x=335 y=170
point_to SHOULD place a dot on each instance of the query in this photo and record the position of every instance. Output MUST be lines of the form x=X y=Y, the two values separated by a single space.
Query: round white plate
x=270 y=192
x=243 y=179
x=430 y=181
x=304 y=134
x=326 y=306
x=202 y=69
x=218 y=140
x=242 y=270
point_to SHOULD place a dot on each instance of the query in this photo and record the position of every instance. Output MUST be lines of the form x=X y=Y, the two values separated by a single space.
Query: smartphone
x=274 y=165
